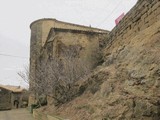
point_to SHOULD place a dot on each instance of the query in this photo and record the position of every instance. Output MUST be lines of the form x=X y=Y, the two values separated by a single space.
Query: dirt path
x=16 y=114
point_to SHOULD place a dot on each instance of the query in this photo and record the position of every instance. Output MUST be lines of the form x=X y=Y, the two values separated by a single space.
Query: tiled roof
x=12 y=88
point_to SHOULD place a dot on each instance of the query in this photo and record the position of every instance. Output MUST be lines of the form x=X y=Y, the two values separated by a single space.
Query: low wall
x=38 y=115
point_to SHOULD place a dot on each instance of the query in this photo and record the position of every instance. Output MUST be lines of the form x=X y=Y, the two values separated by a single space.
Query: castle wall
x=88 y=43
x=140 y=17
x=47 y=24
x=35 y=46
x=84 y=46
x=87 y=37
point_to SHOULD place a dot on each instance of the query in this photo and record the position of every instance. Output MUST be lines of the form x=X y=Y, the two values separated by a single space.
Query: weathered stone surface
x=130 y=83
x=127 y=85
x=5 y=99
x=52 y=39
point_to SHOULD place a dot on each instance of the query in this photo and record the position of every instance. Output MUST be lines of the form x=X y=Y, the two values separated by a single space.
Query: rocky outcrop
x=127 y=85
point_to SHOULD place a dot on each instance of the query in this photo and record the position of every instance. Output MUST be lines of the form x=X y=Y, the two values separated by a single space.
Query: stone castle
x=127 y=84
x=50 y=38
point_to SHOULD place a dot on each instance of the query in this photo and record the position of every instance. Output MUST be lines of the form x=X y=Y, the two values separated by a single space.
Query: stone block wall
x=88 y=44
x=44 y=25
x=39 y=33
x=141 y=16
x=83 y=45
x=16 y=96
x=5 y=99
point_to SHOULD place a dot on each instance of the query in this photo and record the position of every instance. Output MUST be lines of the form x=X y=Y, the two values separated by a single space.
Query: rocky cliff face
x=127 y=85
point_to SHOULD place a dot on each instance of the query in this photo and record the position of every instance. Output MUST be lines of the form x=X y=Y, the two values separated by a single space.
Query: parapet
x=42 y=20
x=67 y=25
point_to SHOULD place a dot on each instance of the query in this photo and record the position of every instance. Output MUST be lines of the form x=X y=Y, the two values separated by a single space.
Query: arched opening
x=16 y=103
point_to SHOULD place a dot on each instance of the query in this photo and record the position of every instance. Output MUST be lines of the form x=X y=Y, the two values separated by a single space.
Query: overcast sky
x=16 y=16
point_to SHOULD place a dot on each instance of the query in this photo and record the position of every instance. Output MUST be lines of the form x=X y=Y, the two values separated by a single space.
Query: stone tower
x=39 y=33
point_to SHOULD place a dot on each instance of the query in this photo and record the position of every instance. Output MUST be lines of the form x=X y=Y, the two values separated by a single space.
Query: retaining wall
x=38 y=115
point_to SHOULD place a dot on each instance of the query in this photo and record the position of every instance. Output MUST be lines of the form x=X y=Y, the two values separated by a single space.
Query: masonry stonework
x=127 y=85
x=141 y=16
x=51 y=37
x=5 y=101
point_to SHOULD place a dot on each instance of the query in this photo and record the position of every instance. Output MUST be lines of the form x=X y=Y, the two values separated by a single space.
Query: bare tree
x=55 y=76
